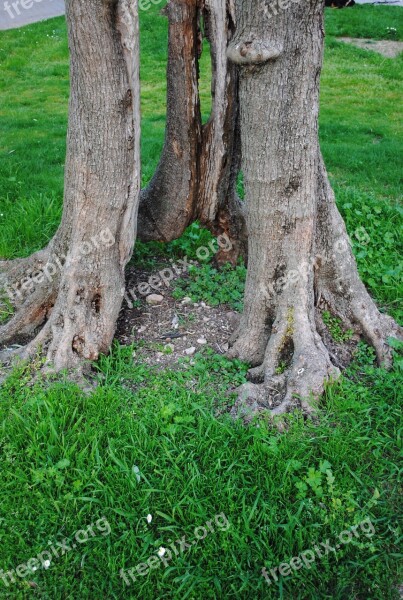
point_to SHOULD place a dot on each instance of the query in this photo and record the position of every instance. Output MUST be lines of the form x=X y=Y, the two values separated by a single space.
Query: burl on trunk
x=299 y=253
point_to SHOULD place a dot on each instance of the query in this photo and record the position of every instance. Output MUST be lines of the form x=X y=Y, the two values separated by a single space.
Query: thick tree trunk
x=78 y=301
x=295 y=230
x=197 y=173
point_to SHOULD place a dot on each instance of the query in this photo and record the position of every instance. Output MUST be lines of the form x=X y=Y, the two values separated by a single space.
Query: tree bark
x=79 y=304
x=197 y=174
x=299 y=252
x=167 y=203
x=218 y=205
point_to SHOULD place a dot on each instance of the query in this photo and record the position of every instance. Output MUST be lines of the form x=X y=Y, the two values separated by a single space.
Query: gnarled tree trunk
x=299 y=252
x=75 y=294
x=197 y=174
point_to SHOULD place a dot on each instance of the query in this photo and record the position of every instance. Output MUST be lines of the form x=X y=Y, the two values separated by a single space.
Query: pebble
x=187 y=300
x=202 y=341
x=142 y=329
x=154 y=299
x=190 y=351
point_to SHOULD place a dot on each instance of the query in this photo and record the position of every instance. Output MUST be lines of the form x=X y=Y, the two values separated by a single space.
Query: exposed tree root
x=77 y=295
x=295 y=365
x=30 y=315
x=13 y=273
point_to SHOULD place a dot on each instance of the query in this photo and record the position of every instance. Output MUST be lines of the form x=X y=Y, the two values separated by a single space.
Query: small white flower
x=161 y=551
x=136 y=471
x=149 y=518
x=46 y=564
x=34 y=568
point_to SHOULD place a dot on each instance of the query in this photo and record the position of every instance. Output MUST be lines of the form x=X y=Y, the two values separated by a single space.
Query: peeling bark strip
x=101 y=188
x=292 y=218
x=196 y=176
x=218 y=206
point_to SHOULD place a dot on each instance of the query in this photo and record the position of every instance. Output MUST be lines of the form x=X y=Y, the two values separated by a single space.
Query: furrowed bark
x=101 y=187
x=218 y=205
x=197 y=174
x=292 y=219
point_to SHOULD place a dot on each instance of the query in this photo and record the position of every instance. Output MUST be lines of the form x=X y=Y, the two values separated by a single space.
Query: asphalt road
x=13 y=14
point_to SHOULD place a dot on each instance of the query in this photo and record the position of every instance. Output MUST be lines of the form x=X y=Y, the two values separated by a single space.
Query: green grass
x=366 y=21
x=335 y=327
x=67 y=460
x=160 y=442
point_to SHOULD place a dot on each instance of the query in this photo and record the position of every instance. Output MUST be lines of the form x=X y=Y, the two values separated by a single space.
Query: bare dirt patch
x=173 y=329
x=388 y=48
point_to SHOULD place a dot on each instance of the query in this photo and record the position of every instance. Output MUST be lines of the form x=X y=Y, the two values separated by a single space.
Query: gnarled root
x=295 y=365
x=280 y=332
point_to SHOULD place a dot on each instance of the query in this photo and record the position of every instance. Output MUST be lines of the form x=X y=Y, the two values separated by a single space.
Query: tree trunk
x=167 y=203
x=197 y=174
x=218 y=205
x=77 y=292
x=299 y=252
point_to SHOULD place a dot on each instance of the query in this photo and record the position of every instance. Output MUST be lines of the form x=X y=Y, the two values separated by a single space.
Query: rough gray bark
x=295 y=231
x=78 y=309
x=196 y=176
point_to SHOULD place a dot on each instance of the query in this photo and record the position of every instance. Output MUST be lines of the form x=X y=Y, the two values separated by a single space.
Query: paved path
x=388 y=2
x=13 y=14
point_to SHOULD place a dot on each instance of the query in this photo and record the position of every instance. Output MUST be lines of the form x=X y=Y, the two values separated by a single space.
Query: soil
x=174 y=329
x=388 y=48
x=168 y=329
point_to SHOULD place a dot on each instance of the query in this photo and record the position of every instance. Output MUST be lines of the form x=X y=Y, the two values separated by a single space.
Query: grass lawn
x=160 y=443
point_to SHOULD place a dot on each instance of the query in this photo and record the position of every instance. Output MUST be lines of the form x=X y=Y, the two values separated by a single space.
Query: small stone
x=159 y=354
x=190 y=351
x=202 y=341
x=206 y=319
x=233 y=319
x=196 y=305
x=203 y=304
x=142 y=329
x=187 y=300
x=154 y=299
